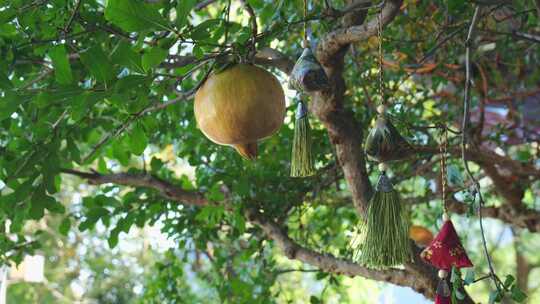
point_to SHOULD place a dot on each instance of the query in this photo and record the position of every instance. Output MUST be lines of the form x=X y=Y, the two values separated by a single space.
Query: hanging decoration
x=307 y=76
x=387 y=224
x=386 y=228
x=239 y=106
x=446 y=250
x=384 y=143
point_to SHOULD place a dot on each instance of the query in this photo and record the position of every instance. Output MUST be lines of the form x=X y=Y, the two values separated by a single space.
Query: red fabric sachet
x=446 y=250
x=442 y=300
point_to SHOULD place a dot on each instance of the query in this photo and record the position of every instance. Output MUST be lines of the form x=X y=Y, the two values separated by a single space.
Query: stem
x=464 y=139
x=254 y=28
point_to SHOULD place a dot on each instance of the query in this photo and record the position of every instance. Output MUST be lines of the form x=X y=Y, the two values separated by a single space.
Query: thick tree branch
x=334 y=41
x=344 y=131
x=166 y=189
x=272 y=57
x=291 y=249
x=416 y=275
x=332 y=264
x=482 y=155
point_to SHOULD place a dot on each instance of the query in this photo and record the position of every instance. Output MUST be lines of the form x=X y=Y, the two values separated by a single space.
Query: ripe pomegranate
x=240 y=106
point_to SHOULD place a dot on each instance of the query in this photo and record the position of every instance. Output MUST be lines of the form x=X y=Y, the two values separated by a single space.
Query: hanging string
x=305 y=38
x=443 y=146
x=381 y=72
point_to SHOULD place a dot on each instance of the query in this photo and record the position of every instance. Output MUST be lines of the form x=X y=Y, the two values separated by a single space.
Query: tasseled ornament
x=302 y=162
x=307 y=74
x=443 y=295
x=445 y=252
x=384 y=143
x=387 y=225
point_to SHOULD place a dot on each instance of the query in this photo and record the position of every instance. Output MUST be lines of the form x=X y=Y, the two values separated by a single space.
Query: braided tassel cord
x=302 y=162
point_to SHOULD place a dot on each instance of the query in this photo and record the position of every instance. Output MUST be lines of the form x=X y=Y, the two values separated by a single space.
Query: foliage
x=89 y=85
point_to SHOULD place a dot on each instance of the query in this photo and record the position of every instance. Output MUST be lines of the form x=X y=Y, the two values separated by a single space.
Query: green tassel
x=302 y=162
x=384 y=143
x=386 y=230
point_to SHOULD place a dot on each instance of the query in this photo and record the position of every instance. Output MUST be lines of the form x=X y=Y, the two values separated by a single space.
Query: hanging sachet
x=445 y=251
x=384 y=143
x=386 y=228
x=307 y=76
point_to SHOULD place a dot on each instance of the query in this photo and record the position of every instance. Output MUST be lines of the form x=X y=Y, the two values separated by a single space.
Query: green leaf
x=113 y=238
x=455 y=179
x=8 y=105
x=41 y=201
x=5 y=83
x=315 y=300
x=494 y=296
x=60 y=61
x=102 y=166
x=98 y=64
x=37 y=209
x=212 y=215
x=153 y=58
x=137 y=140
x=156 y=164
x=469 y=277
x=183 y=9
x=125 y=56
x=455 y=276
x=215 y=194
x=134 y=16
x=517 y=294
x=202 y=31
x=65 y=225
x=509 y=280
x=92 y=217
x=8 y=30
x=54 y=206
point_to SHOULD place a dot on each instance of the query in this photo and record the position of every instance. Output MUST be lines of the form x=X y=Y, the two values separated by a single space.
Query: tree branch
x=166 y=189
x=290 y=248
x=516 y=216
x=334 y=41
x=332 y=264
x=265 y=56
x=272 y=57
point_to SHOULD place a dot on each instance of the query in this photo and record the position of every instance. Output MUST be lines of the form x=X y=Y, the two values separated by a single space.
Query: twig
x=482 y=278
x=40 y=77
x=130 y=120
x=254 y=28
x=203 y=4
x=434 y=49
x=33 y=4
x=484 y=92
x=72 y=17
x=464 y=140
x=516 y=34
x=283 y=271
